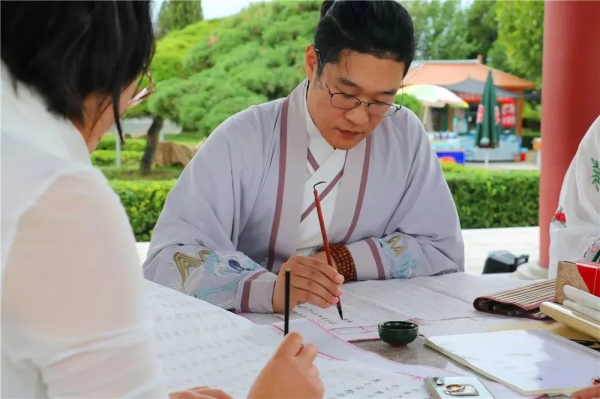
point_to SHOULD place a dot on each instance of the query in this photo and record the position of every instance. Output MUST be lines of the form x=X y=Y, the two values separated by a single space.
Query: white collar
x=311 y=128
x=319 y=147
x=25 y=115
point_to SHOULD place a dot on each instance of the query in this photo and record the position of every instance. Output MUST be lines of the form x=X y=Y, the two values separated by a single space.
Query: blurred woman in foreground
x=73 y=317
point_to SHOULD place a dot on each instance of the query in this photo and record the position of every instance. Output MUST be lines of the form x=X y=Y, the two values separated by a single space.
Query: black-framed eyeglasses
x=347 y=102
x=143 y=94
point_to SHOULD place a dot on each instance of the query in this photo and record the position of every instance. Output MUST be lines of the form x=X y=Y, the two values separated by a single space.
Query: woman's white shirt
x=74 y=322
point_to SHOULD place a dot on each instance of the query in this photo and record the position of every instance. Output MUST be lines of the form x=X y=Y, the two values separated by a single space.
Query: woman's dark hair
x=381 y=28
x=67 y=50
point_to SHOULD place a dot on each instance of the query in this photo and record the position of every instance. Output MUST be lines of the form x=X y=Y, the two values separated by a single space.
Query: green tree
x=251 y=58
x=258 y=56
x=440 y=29
x=481 y=27
x=410 y=102
x=177 y=14
x=520 y=36
x=168 y=60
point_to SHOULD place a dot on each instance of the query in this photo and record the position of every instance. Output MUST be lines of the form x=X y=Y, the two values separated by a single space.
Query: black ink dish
x=398 y=333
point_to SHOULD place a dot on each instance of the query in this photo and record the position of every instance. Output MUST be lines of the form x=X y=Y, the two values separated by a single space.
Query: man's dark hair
x=382 y=28
x=67 y=50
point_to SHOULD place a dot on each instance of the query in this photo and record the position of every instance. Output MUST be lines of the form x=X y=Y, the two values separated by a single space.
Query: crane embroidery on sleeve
x=395 y=246
x=403 y=263
x=185 y=262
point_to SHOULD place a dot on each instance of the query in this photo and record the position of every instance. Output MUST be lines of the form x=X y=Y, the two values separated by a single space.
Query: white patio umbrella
x=432 y=96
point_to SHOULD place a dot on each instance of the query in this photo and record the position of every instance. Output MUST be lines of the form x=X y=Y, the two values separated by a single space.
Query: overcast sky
x=217 y=8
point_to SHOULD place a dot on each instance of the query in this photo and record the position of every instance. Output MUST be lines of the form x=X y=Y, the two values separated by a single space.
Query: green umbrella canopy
x=488 y=117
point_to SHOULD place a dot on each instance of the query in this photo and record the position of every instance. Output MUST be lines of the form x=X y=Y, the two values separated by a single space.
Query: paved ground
x=504 y=165
x=478 y=244
x=517 y=240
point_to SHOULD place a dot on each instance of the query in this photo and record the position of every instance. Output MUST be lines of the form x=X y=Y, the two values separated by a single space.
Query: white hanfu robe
x=236 y=213
x=575 y=228
x=324 y=164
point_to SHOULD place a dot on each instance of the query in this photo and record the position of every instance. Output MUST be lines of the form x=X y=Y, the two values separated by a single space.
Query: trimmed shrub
x=107 y=158
x=143 y=200
x=487 y=199
x=109 y=143
x=483 y=198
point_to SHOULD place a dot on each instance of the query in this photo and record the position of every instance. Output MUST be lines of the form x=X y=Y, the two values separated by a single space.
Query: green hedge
x=109 y=143
x=143 y=200
x=487 y=199
x=483 y=198
x=107 y=158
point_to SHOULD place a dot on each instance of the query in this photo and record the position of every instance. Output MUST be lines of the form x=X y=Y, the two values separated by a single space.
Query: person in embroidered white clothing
x=387 y=208
x=73 y=304
x=575 y=228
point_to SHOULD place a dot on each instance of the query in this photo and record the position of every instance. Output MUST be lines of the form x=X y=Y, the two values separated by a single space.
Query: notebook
x=519 y=302
x=532 y=362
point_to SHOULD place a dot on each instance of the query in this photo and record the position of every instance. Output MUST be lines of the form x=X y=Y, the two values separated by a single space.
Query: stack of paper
x=582 y=302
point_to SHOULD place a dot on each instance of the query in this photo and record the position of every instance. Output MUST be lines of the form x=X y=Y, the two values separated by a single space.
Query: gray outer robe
x=233 y=217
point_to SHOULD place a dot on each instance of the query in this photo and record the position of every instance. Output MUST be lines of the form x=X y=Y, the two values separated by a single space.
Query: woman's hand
x=200 y=393
x=592 y=392
x=290 y=374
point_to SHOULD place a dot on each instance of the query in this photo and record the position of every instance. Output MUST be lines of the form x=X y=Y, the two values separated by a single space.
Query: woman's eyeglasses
x=143 y=94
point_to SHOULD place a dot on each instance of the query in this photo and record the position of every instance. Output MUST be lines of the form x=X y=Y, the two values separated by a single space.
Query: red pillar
x=570 y=96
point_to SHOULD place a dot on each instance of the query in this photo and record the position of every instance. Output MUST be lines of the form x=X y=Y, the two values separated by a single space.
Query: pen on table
x=286 y=327
x=325 y=239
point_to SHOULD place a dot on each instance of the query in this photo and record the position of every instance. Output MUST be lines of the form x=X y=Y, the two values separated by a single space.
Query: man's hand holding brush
x=313 y=281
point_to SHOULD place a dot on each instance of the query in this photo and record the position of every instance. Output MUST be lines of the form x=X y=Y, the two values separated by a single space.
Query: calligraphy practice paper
x=430 y=298
x=358 y=312
x=431 y=302
x=357 y=380
x=467 y=287
x=354 y=334
x=203 y=345
x=410 y=298
x=331 y=346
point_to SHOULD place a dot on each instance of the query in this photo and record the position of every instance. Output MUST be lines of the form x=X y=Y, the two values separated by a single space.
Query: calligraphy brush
x=286 y=327
x=325 y=239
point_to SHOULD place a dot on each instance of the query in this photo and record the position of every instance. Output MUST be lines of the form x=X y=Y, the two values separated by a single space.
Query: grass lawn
x=131 y=172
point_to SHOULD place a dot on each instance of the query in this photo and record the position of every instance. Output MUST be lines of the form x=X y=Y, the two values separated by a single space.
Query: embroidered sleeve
x=402 y=264
x=596 y=174
x=397 y=256
x=593 y=252
x=213 y=273
x=559 y=217
x=228 y=279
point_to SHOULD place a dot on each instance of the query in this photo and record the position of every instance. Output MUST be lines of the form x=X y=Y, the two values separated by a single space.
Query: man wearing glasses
x=244 y=209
